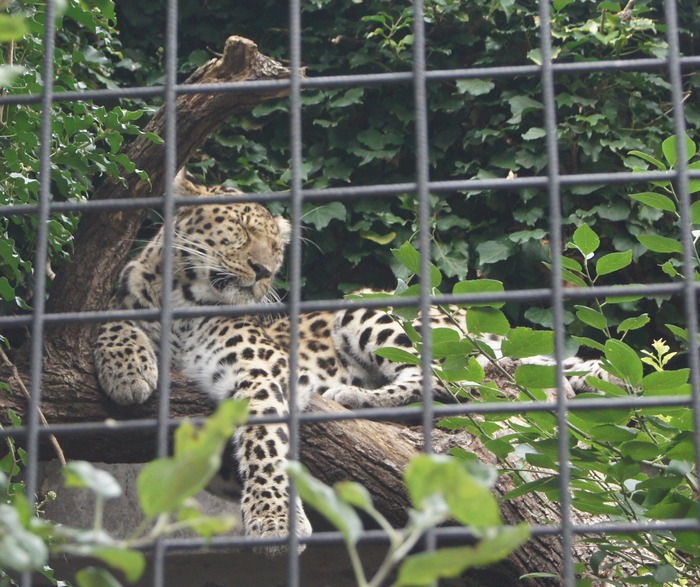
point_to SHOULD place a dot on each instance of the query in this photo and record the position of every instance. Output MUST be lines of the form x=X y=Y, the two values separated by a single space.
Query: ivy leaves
x=87 y=138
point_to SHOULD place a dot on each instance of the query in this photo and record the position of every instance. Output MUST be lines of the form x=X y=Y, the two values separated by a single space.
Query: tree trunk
x=371 y=453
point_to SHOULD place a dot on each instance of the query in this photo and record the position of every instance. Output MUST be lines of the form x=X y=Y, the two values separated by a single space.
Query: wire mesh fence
x=418 y=81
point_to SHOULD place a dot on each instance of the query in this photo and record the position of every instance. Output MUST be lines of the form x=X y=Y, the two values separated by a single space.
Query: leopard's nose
x=261 y=272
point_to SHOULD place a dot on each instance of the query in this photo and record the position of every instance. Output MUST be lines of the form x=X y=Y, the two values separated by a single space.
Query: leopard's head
x=227 y=253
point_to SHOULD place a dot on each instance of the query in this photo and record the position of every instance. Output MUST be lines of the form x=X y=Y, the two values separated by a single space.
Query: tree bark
x=371 y=453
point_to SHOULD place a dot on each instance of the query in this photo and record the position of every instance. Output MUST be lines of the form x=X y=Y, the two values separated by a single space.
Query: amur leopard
x=228 y=254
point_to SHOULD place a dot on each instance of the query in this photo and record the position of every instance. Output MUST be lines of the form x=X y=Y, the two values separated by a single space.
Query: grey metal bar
x=682 y=186
x=365 y=80
x=555 y=212
x=168 y=213
x=295 y=258
x=40 y=262
x=355 y=192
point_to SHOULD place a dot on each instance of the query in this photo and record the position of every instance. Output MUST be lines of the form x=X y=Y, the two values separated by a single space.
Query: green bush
x=634 y=464
x=86 y=137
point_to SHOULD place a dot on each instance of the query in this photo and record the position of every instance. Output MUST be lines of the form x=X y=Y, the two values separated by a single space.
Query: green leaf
x=541 y=484
x=424 y=569
x=84 y=475
x=520 y=105
x=352 y=96
x=398 y=356
x=523 y=342
x=656 y=201
x=694 y=184
x=640 y=451
x=633 y=323
x=493 y=251
x=666 y=382
x=474 y=87
x=478 y=286
x=589 y=342
x=459 y=368
x=586 y=240
x=20 y=550
x=325 y=501
x=12 y=27
x=6 y=290
x=670 y=149
x=534 y=133
x=190 y=514
x=561 y=4
x=536 y=376
x=572 y=278
x=209 y=526
x=695 y=212
x=649 y=159
x=624 y=361
x=665 y=574
x=622 y=299
x=591 y=317
x=613 y=262
x=164 y=484
x=354 y=494
x=469 y=502
x=489 y=320
x=130 y=562
x=320 y=216
x=586 y=502
x=9 y=73
x=94 y=577
x=613 y=433
x=678 y=332
x=378 y=238
x=410 y=258
x=660 y=244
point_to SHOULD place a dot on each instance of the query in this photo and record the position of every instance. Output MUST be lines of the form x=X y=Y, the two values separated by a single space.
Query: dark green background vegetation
x=478 y=128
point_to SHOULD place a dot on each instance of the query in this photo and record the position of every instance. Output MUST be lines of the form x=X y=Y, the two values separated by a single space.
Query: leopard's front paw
x=350 y=397
x=274 y=523
x=130 y=386
x=127 y=367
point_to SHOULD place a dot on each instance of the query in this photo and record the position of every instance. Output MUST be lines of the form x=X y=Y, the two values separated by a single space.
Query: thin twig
x=15 y=375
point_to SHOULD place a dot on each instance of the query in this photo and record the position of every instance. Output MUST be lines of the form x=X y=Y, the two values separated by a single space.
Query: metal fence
x=419 y=79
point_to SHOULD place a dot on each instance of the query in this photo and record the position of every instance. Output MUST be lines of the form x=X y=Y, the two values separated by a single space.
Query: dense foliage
x=629 y=464
x=86 y=137
x=478 y=128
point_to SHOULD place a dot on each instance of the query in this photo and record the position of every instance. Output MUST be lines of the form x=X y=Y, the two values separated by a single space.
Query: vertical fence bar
x=422 y=174
x=555 y=240
x=168 y=213
x=40 y=261
x=423 y=195
x=682 y=186
x=296 y=204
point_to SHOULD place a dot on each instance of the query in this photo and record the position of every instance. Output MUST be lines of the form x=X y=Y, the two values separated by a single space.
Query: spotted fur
x=228 y=254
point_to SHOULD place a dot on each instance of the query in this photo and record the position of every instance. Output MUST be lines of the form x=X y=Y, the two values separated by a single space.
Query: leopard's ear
x=183 y=184
x=285 y=229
